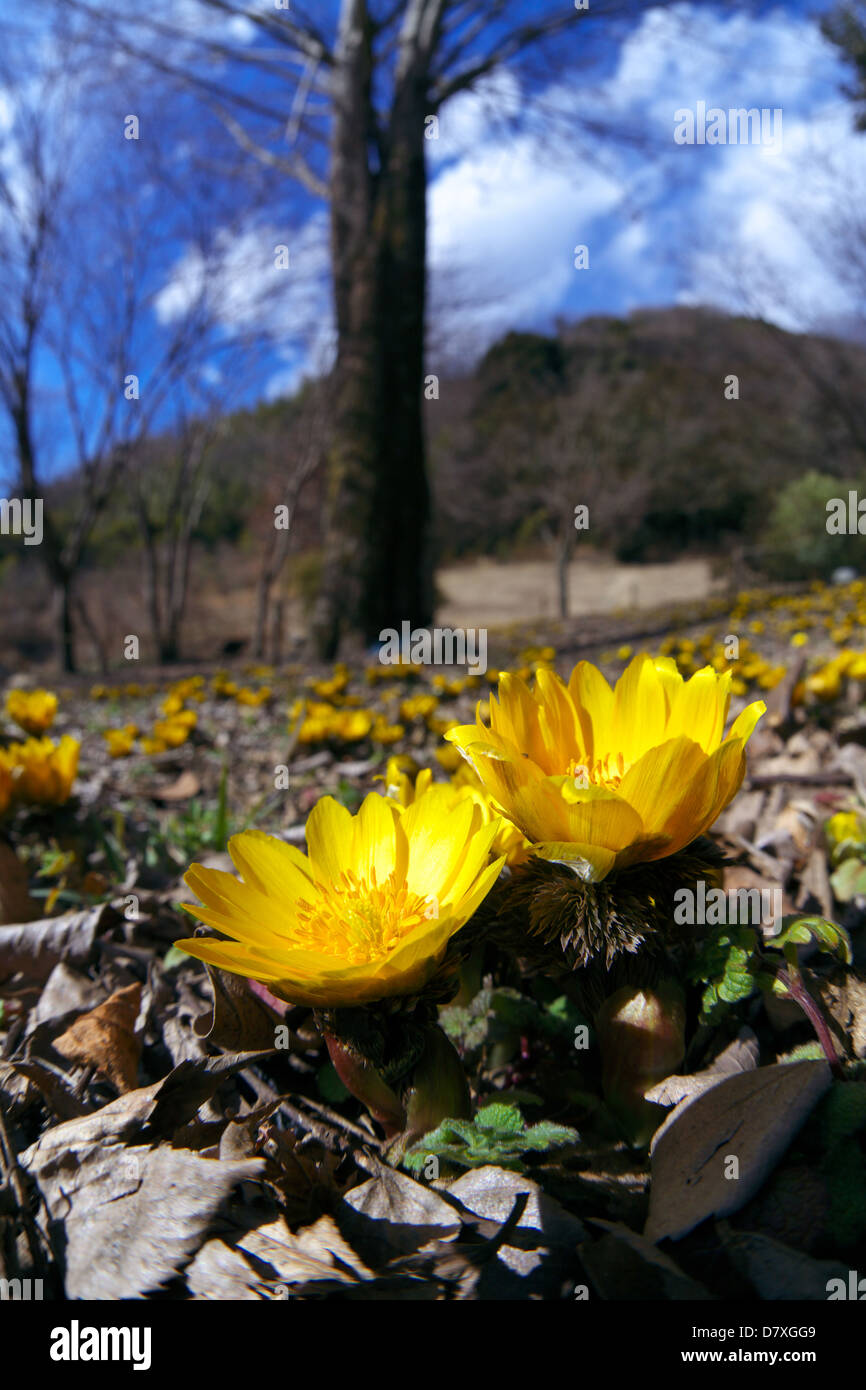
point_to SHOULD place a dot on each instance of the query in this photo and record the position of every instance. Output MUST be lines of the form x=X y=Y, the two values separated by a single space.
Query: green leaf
x=498 y=1135
x=736 y=985
x=174 y=957
x=849 y=880
x=506 y=1118
x=828 y=936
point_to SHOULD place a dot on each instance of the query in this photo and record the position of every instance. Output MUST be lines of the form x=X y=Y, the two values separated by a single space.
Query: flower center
x=603 y=772
x=359 y=920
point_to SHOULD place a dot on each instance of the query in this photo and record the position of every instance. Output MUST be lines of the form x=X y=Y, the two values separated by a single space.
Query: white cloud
x=506 y=211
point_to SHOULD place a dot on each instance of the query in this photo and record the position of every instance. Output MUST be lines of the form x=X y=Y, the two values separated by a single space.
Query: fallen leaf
x=540 y=1251
x=105 y=1038
x=774 y=1270
x=184 y=788
x=219 y=1272
x=240 y=1020
x=400 y=1215
x=740 y=1055
x=625 y=1265
x=843 y=996
x=317 y=1252
x=150 y=1113
x=751 y=1117
x=66 y=992
x=131 y=1217
x=34 y=948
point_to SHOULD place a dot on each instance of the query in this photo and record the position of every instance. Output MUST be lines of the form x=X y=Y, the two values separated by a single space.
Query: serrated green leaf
x=829 y=936
x=498 y=1135
x=546 y=1135
x=505 y=1118
x=737 y=985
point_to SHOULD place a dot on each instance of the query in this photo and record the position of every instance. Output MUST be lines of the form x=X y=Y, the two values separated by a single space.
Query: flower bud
x=641 y=1033
x=360 y=1077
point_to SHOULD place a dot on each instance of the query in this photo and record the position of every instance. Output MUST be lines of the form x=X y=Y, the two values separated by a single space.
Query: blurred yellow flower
x=33 y=711
x=418 y=707
x=601 y=778
x=367 y=915
x=120 y=741
x=42 y=772
x=173 y=732
x=254 y=698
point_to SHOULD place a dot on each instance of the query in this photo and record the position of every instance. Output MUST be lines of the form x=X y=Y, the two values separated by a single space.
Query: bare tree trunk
x=563 y=555
x=278 y=631
x=65 y=628
x=377 y=568
x=91 y=628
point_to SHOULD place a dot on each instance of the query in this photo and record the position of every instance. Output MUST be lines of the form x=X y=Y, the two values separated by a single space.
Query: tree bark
x=377 y=562
x=65 y=629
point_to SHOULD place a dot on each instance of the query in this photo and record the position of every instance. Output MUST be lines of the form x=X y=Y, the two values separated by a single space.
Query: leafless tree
x=91 y=360
x=344 y=107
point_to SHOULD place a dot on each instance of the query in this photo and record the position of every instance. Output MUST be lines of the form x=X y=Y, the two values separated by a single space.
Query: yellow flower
x=254 y=698
x=599 y=778
x=418 y=707
x=383 y=732
x=448 y=758
x=173 y=732
x=32 y=710
x=42 y=772
x=845 y=827
x=119 y=741
x=367 y=915
x=327 y=689
x=464 y=786
x=352 y=725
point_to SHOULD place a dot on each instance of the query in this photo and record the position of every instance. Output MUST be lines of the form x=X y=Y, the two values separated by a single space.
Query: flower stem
x=798 y=991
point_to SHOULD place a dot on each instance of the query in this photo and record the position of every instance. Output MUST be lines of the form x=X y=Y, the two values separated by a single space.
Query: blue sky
x=742 y=227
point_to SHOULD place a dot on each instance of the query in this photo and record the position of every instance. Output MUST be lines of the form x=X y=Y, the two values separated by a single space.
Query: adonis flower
x=368 y=915
x=42 y=772
x=32 y=710
x=465 y=786
x=600 y=778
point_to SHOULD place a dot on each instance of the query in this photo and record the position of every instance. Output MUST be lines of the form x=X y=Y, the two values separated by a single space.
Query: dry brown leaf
x=150 y=1113
x=751 y=1117
x=776 y=1271
x=317 y=1252
x=131 y=1217
x=625 y=1265
x=740 y=1055
x=105 y=1038
x=32 y=949
x=240 y=1021
x=399 y=1214
x=184 y=788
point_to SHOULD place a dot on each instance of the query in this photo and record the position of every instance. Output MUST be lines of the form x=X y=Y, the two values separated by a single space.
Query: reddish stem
x=799 y=992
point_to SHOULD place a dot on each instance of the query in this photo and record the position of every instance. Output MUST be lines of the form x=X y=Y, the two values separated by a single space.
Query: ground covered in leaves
x=155 y=1141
